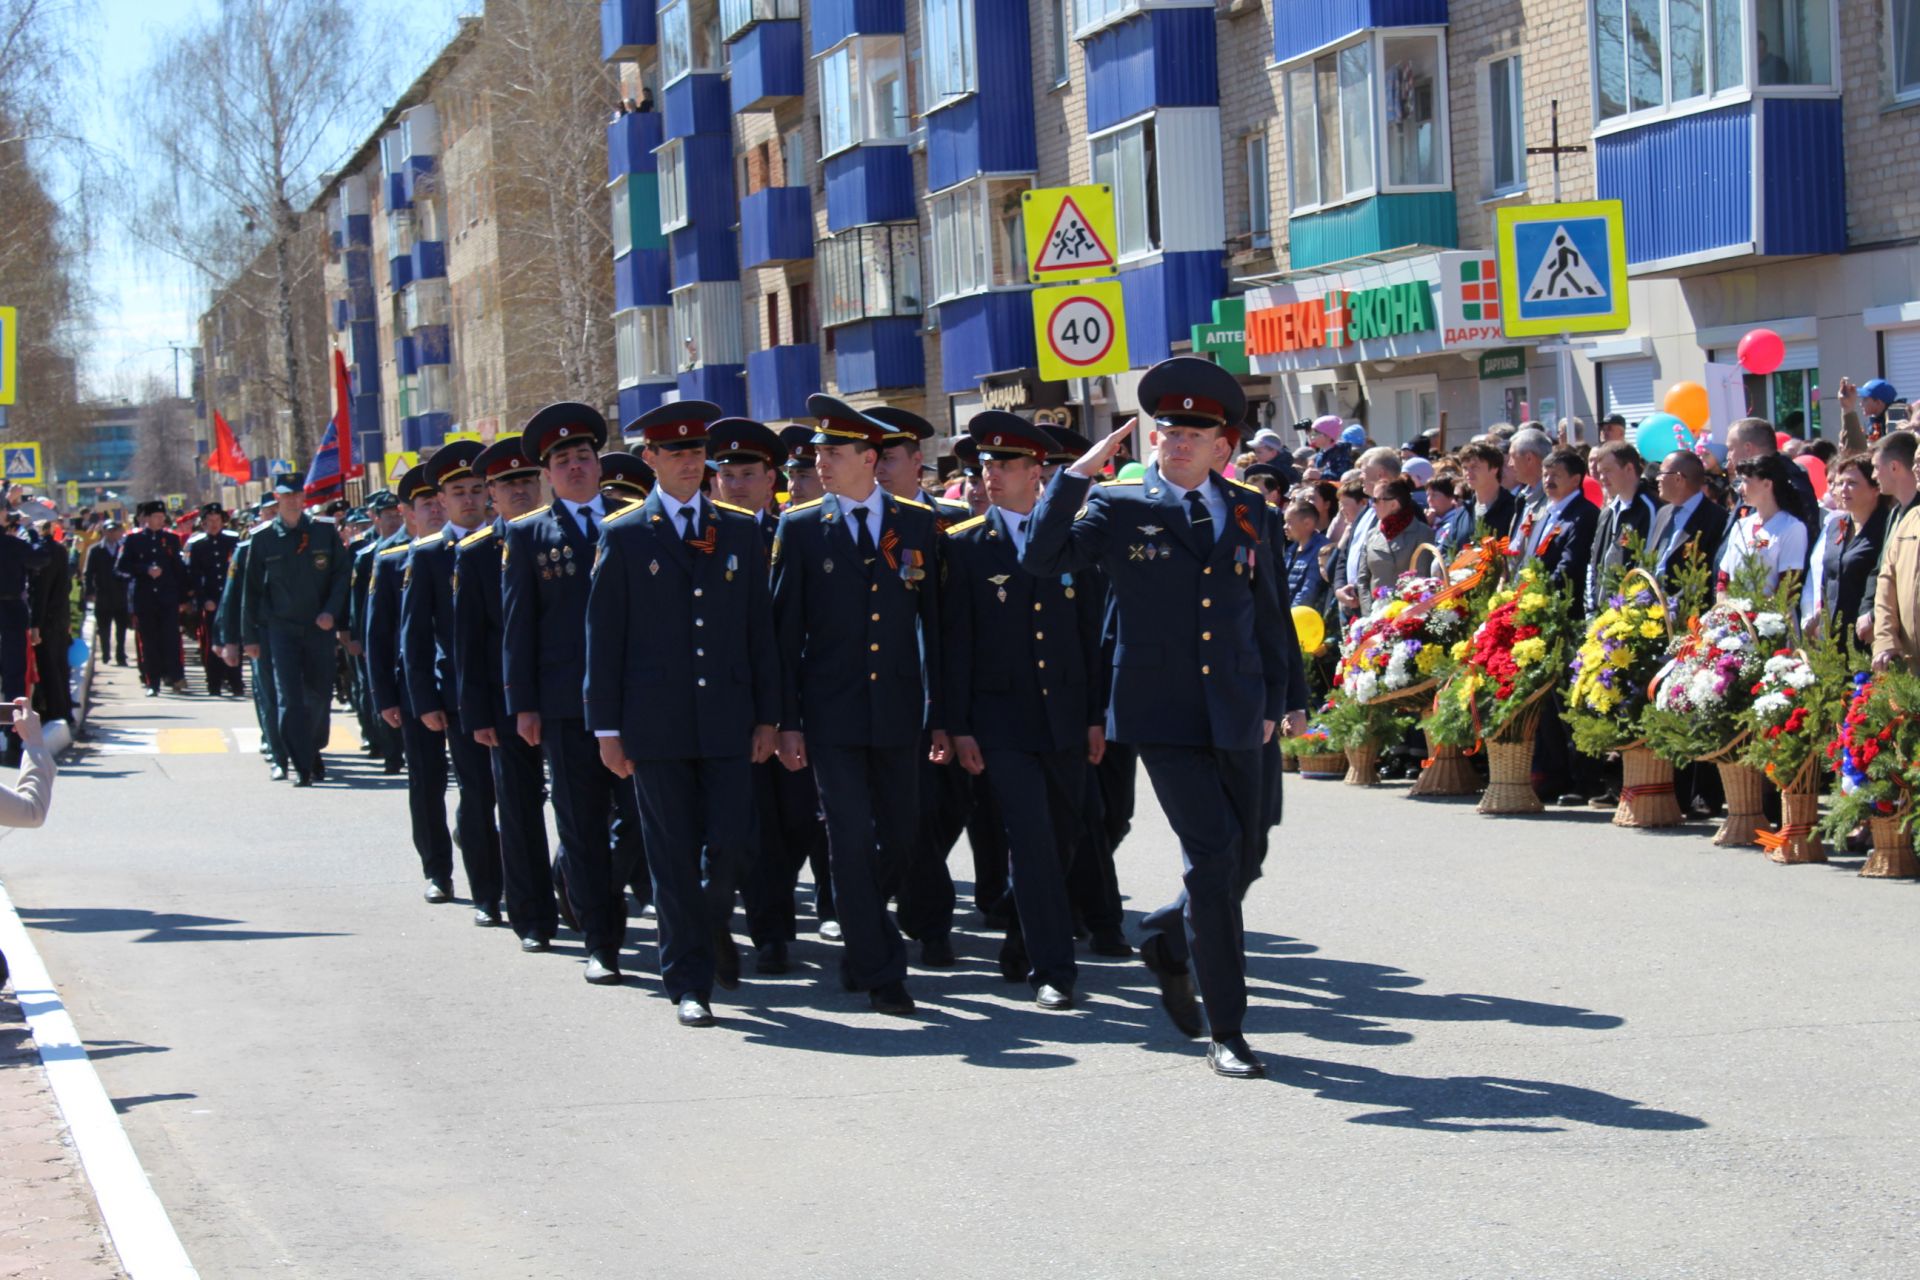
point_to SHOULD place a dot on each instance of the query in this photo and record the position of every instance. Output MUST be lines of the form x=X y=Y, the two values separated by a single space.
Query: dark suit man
x=854 y=581
x=545 y=580
x=427 y=658
x=1558 y=533
x=1691 y=525
x=209 y=553
x=519 y=777
x=156 y=578
x=1020 y=684
x=1200 y=677
x=1626 y=517
x=108 y=593
x=683 y=693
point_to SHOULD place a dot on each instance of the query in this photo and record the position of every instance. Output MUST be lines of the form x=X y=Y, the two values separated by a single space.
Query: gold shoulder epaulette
x=909 y=502
x=803 y=506
x=965 y=525
x=478 y=535
x=1242 y=484
x=616 y=516
x=1115 y=484
x=400 y=550
x=421 y=542
x=537 y=511
x=728 y=506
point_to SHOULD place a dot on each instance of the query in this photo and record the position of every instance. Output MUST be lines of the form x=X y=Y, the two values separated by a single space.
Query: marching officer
x=519 y=777
x=389 y=529
x=209 y=554
x=1020 y=687
x=226 y=625
x=427 y=658
x=903 y=460
x=683 y=690
x=624 y=478
x=426 y=749
x=854 y=603
x=294 y=594
x=803 y=478
x=108 y=593
x=1199 y=678
x=156 y=578
x=545 y=578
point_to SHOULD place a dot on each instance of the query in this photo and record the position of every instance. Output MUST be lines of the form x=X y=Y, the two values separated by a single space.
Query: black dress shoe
x=726 y=961
x=694 y=1012
x=1232 y=1057
x=438 y=891
x=302 y=779
x=486 y=917
x=891 y=998
x=319 y=769
x=770 y=958
x=603 y=969
x=1110 y=942
x=1573 y=799
x=277 y=772
x=1176 y=987
x=531 y=945
x=395 y=766
x=937 y=952
x=1013 y=958
x=1048 y=996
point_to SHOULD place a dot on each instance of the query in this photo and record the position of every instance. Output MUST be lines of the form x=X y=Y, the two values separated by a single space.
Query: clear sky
x=145 y=301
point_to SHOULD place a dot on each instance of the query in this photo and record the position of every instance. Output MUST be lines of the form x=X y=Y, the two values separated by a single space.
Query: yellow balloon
x=1687 y=401
x=1310 y=627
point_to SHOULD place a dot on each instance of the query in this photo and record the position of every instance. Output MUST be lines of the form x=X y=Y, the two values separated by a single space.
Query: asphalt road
x=1499 y=1047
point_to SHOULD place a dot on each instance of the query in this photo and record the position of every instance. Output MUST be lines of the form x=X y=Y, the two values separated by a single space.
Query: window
x=433 y=389
x=773 y=320
x=868 y=272
x=863 y=93
x=399 y=232
x=622 y=218
x=1124 y=160
x=670 y=163
x=737 y=15
x=800 y=312
x=1384 y=94
x=1626 y=388
x=1059 y=33
x=1097 y=13
x=686 y=326
x=1259 y=213
x=1905 y=25
x=641 y=346
x=427 y=302
x=676 y=41
x=1411 y=97
x=1794 y=43
x=793 y=155
x=1506 y=130
x=978 y=240
x=1650 y=54
x=947 y=50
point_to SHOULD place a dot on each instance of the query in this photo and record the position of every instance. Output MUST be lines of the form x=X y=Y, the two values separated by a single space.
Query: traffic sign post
x=1563 y=270
x=1080 y=330
x=21 y=461
x=1070 y=233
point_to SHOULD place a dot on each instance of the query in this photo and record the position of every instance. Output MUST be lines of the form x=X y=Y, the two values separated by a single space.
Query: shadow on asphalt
x=158 y=926
x=1469 y=1104
x=124 y=1105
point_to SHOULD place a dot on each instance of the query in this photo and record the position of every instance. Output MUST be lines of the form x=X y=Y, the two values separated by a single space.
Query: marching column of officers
x=714 y=693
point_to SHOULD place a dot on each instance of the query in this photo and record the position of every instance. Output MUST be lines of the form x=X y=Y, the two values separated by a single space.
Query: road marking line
x=190 y=742
x=126 y=742
x=246 y=741
x=142 y=1233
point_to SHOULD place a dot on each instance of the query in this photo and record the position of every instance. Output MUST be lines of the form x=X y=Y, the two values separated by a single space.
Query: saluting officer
x=1199 y=678
x=426 y=749
x=427 y=657
x=544 y=584
x=294 y=595
x=854 y=603
x=1022 y=696
x=156 y=577
x=683 y=693
x=209 y=553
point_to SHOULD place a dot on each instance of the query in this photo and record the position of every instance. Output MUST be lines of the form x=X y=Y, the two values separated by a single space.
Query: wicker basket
x=1798 y=839
x=1746 y=791
x=1510 y=764
x=1646 y=790
x=1892 y=856
x=1363 y=766
x=1289 y=764
x=1327 y=765
x=1446 y=772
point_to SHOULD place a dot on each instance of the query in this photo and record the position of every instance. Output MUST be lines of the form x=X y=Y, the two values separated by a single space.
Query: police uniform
x=295 y=575
x=859 y=627
x=1021 y=657
x=155 y=598
x=545 y=579
x=426 y=749
x=208 y=557
x=1198 y=668
x=624 y=477
x=519 y=775
x=427 y=658
x=681 y=668
x=226 y=625
x=383 y=740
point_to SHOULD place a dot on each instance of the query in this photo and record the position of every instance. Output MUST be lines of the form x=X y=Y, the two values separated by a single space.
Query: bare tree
x=163 y=456
x=242 y=114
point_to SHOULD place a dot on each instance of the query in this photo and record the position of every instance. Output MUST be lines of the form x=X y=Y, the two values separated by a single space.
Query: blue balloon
x=77 y=653
x=1659 y=435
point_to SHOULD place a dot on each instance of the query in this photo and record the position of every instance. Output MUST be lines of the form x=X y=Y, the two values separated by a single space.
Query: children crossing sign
x=1080 y=330
x=22 y=462
x=1070 y=233
x=1563 y=268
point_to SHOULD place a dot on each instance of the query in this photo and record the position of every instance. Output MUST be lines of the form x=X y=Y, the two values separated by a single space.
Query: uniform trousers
x=156 y=631
x=264 y=709
x=871 y=799
x=302 y=657
x=595 y=867
x=987 y=838
x=380 y=735
x=924 y=885
x=110 y=633
x=1039 y=794
x=427 y=797
x=519 y=786
x=687 y=808
x=473 y=813
x=220 y=673
x=790 y=835
x=1212 y=801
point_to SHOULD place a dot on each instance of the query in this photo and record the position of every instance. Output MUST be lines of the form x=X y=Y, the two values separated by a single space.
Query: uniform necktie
x=1199 y=517
x=687 y=514
x=586 y=518
x=865 y=531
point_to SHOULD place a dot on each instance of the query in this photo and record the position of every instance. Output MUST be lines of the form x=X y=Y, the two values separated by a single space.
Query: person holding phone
x=25 y=803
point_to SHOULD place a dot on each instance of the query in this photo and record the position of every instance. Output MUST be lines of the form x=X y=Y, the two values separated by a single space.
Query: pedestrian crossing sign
x=1070 y=233
x=1563 y=268
x=22 y=462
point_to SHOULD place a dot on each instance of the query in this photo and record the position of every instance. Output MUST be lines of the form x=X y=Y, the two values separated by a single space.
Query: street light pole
x=1563 y=350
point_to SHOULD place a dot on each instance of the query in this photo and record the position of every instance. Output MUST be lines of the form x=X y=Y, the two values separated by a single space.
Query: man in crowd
x=107 y=592
x=209 y=554
x=1625 y=520
x=1690 y=525
x=1526 y=463
x=150 y=565
x=1494 y=508
x=389 y=529
x=1377 y=466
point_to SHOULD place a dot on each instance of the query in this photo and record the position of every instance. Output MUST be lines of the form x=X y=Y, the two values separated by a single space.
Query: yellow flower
x=1528 y=652
x=1622 y=657
x=1655 y=611
x=1533 y=600
x=1397 y=608
x=1460 y=650
x=1428 y=659
x=1651 y=630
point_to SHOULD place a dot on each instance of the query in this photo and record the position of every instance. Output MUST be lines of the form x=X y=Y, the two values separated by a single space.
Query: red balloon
x=1761 y=351
x=1591 y=488
x=1816 y=471
x=1780 y=439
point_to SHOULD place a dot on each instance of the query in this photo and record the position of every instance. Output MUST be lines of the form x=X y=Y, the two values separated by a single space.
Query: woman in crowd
x=1775 y=534
x=1398 y=530
x=1840 y=586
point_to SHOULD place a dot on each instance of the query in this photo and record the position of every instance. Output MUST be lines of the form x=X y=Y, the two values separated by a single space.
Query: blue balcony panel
x=780 y=379
x=627 y=29
x=708 y=252
x=363 y=343
x=1373 y=225
x=398 y=192
x=631 y=140
x=360 y=301
x=707 y=161
x=1803 y=185
x=986 y=333
x=412 y=172
x=722 y=384
x=869 y=184
x=1166 y=299
x=358 y=262
x=427 y=431
x=1162 y=58
x=776 y=226
x=872 y=354
x=406 y=355
x=769 y=66
x=635 y=401
x=697 y=103
x=1686 y=183
x=1313 y=23
x=359 y=230
x=835 y=20
x=365 y=379
x=339 y=313
x=641 y=279
x=429 y=259
x=433 y=344
x=990 y=131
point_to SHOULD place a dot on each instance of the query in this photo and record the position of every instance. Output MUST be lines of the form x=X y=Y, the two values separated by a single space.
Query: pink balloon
x=1816 y=471
x=1780 y=439
x=1761 y=351
x=1591 y=488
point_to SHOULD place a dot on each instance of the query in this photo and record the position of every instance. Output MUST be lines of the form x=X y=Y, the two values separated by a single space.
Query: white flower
x=1770 y=625
x=1771 y=704
x=1736 y=604
x=1363 y=685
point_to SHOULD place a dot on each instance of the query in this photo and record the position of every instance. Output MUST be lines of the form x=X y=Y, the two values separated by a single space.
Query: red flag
x=342 y=418
x=227 y=458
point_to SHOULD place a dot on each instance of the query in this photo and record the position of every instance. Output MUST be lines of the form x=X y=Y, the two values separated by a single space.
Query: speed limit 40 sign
x=1080 y=330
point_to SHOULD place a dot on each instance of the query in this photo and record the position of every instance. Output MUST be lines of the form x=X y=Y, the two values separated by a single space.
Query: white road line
x=127 y=742
x=142 y=1233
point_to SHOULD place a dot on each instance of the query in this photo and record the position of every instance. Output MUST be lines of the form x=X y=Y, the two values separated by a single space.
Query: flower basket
x=1513 y=658
x=1445 y=772
x=1797 y=839
x=1646 y=790
x=1289 y=764
x=1613 y=674
x=1363 y=765
x=1746 y=792
x=1701 y=697
x=1323 y=767
x=1510 y=763
x=1892 y=855
x=1799 y=701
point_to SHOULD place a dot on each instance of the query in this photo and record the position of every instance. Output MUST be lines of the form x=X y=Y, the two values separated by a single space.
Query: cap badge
x=1187 y=403
x=683 y=428
x=564 y=431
